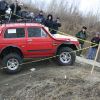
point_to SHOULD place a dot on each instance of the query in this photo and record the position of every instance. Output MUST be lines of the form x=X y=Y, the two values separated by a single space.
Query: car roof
x=20 y=25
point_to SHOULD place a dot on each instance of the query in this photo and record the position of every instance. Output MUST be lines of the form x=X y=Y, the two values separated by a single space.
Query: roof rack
x=17 y=21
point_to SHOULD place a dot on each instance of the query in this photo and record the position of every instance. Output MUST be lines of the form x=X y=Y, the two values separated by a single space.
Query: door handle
x=30 y=40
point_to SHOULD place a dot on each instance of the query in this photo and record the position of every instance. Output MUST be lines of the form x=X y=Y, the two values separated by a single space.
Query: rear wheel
x=11 y=63
x=66 y=56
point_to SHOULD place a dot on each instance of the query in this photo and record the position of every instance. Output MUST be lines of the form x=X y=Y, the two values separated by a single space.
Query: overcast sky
x=89 y=5
x=84 y=6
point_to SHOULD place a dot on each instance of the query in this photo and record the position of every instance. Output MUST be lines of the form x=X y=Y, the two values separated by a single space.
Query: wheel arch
x=11 y=49
x=72 y=46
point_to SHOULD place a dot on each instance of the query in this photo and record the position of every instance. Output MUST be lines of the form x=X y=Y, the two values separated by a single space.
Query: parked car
x=32 y=40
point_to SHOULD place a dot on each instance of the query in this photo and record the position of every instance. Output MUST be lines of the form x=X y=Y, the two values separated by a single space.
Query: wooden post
x=95 y=59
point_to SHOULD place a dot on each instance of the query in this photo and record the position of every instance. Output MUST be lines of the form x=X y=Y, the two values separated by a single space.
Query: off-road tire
x=6 y=60
x=70 y=52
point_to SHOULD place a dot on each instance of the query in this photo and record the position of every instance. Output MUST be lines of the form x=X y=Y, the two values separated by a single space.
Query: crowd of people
x=13 y=12
x=49 y=22
x=82 y=37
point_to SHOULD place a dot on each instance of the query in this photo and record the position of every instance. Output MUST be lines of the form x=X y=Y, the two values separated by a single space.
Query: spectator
x=56 y=25
x=49 y=22
x=92 y=51
x=40 y=18
x=8 y=14
x=15 y=7
x=82 y=35
x=24 y=14
x=31 y=15
x=3 y=8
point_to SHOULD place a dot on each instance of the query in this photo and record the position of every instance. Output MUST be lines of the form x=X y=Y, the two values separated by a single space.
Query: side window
x=43 y=33
x=36 y=32
x=14 y=33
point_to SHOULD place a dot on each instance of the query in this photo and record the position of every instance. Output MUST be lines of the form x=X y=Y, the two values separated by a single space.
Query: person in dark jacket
x=95 y=42
x=40 y=18
x=82 y=36
x=56 y=25
x=15 y=8
x=49 y=22
x=3 y=8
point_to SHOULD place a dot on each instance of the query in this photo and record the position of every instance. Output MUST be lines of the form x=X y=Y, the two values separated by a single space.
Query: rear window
x=14 y=33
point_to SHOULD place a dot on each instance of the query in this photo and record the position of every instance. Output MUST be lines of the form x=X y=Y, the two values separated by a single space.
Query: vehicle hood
x=64 y=37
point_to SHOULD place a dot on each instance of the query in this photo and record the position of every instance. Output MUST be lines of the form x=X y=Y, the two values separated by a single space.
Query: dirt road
x=51 y=82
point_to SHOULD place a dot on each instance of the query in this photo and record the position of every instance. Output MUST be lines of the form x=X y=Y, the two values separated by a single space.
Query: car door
x=15 y=37
x=39 y=44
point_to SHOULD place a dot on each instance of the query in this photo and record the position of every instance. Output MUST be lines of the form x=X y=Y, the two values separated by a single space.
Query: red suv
x=31 y=40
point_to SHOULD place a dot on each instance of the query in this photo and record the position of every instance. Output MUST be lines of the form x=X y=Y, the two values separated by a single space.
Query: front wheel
x=11 y=63
x=66 y=56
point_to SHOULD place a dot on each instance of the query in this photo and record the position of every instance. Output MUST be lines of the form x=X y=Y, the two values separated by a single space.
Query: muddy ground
x=51 y=82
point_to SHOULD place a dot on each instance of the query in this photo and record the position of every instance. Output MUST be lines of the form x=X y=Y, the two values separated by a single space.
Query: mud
x=48 y=82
